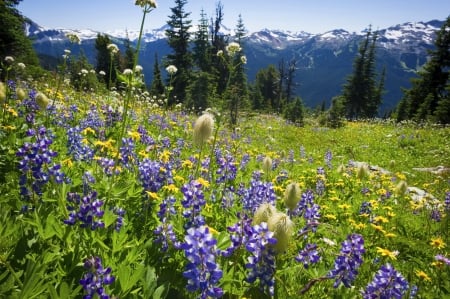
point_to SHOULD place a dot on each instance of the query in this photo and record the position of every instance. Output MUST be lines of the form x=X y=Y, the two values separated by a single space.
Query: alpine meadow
x=208 y=184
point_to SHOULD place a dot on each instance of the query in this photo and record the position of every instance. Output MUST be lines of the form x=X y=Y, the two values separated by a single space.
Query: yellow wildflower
x=143 y=154
x=152 y=195
x=381 y=219
x=171 y=188
x=344 y=206
x=334 y=198
x=187 y=163
x=385 y=252
x=422 y=275
x=212 y=230
x=165 y=156
x=330 y=216
x=203 y=182
x=13 y=112
x=437 y=243
x=389 y=235
x=178 y=179
x=87 y=131
x=134 y=135
x=378 y=228
x=67 y=162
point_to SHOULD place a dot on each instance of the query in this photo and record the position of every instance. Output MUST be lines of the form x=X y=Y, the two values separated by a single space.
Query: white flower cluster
x=171 y=69
x=143 y=3
x=113 y=49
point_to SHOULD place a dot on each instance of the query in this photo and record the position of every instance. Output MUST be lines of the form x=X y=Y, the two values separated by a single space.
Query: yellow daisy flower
x=437 y=243
x=422 y=275
x=388 y=253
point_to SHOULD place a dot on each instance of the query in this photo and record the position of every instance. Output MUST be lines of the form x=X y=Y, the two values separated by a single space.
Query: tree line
x=209 y=74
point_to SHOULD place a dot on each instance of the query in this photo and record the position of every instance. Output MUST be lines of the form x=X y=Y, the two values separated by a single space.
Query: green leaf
x=162 y=291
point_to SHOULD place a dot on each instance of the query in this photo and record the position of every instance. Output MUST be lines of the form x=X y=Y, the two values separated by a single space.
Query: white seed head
x=42 y=100
x=263 y=213
x=292 y=196
x=203 y=128
x=401 y=188
x=171 y=69
x=282 y=227
x=267 y=164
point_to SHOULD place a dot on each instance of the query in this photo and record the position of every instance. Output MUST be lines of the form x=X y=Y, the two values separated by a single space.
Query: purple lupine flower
x=36 y=168
x=119 y=212
x=94 y=281
x=244 y=161
x=302 y=152
x=387 y=283
x=87 y=210
x=436 y=214
x=328 y=157
x=308 y=255
x=291 y=157
x=447 y=202
x=164 y=231
x=226 y=169
x=151 y=175
x=111 y=115
x=320 y=183
x=441 y=258
x=92 y=120
x=108 y=166
x=258 y=193
x=145 y=138
x=261 y=263
x=76 y=148
x=127 y=155
x=366 y=208
x=240 y=233
x=228 y=197
x=202 y=272
x=192 y=202
x=348 y=261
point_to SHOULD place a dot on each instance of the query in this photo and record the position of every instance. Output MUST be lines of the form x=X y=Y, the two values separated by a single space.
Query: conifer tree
x=428 y=98
x=361 y=95
x=201 y=89
x=104 y=58
x=218 y=42
x=178 y=37
x=267 y=83
x=127 y=61
x=13 y=41
x=157 y=87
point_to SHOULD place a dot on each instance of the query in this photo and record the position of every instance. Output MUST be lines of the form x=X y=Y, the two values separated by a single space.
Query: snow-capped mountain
x=324 y=60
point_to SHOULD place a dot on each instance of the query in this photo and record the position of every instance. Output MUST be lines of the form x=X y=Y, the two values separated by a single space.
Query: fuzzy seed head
x=282 y=227
x=203 y=128
x=401 y=188
x=292 y=195
x=363 y=171
x=267 y=164
x=42 y=100
x=2 y=92
x=21 y=94
x=341 y=168
x=263 y=213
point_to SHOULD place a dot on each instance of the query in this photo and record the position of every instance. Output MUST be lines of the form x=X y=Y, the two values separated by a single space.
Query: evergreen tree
x=178 y=37
x=127 y=61
x=202 y=46
x=290 y=75
x=13 y=41
x=201 y=88
x=294 y=111
x=361 y=94
x=237 y=93
x=218 y=43
x=428 y=98
x=104 y=59
x=157 y=87
x=267 y=83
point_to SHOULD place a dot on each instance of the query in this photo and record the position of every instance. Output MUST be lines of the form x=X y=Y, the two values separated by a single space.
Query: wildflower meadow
x=113 y=194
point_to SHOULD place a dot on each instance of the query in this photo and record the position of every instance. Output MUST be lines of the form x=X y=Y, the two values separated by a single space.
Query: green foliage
x=428 y=98
x=335 y=116
x=294 y=112
x=13 y=39
x=362 y=94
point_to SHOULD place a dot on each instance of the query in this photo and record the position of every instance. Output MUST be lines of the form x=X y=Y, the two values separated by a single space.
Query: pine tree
x=361 y=91
x=127 y=61
x=104 y=59
x=218 y=42
x=267 y=82
x=202 y=46
x=157 y=87
x=13 y=41
x=428 y=98
x=178 y=38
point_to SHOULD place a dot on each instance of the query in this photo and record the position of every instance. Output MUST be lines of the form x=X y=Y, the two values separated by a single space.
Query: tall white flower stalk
x=147 y=6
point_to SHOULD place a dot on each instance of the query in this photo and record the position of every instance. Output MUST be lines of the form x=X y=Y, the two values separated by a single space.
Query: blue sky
x=313 y=16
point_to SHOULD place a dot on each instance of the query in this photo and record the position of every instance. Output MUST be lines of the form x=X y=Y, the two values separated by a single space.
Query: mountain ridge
x=324 y=60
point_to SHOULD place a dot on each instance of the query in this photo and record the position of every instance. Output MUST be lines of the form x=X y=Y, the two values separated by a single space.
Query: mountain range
x=324 y=60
